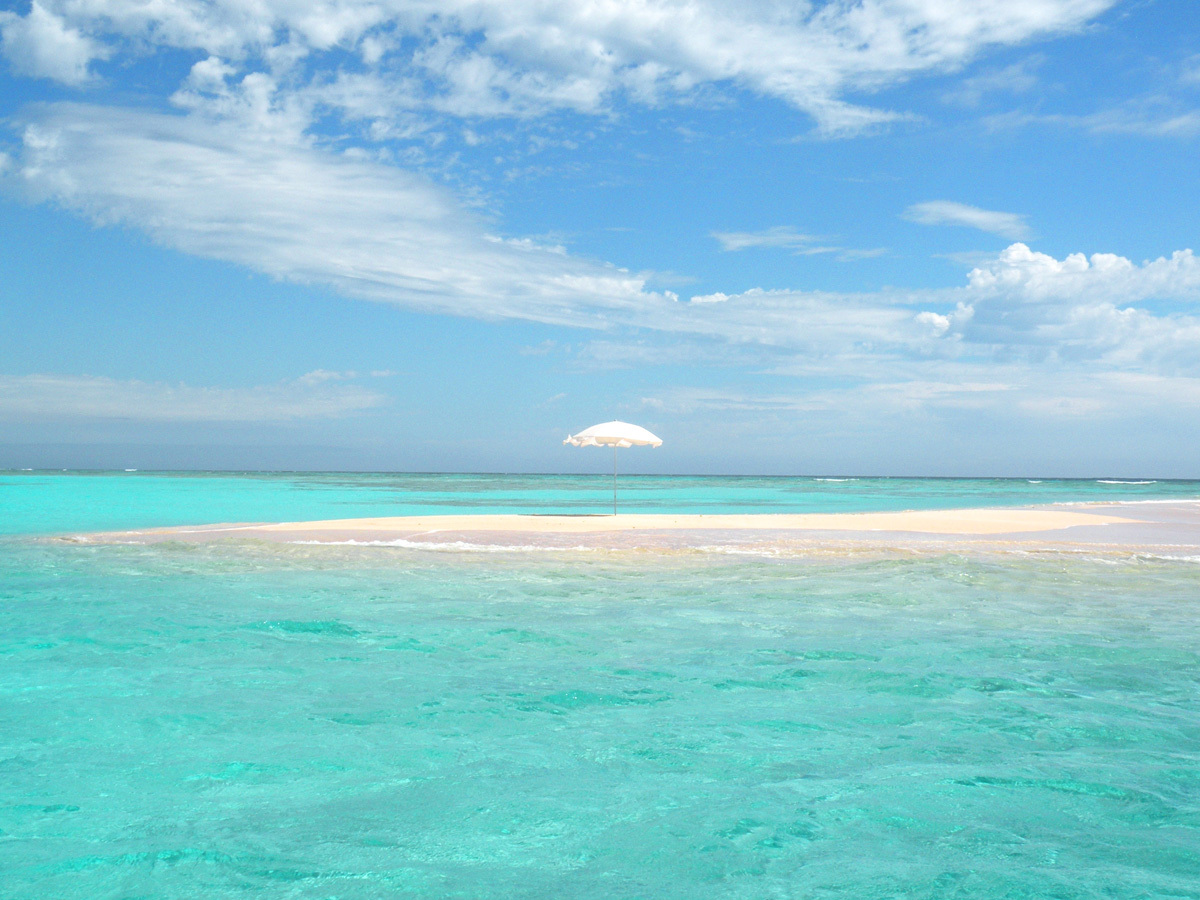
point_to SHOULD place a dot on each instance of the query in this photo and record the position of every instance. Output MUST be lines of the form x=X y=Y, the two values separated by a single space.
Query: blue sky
x=878 y=237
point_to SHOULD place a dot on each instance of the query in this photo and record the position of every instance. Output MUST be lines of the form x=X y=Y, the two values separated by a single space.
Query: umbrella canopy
x=615 y=435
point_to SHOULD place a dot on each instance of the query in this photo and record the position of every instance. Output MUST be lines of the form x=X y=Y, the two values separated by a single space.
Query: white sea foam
x=835 y=479
x=1162 y=501
x=1116 y=481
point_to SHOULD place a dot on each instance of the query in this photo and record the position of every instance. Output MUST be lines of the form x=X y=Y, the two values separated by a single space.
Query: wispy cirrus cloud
x=948 y=212
x=785 y=237
x=1190 y=70
x=1167 y=111
x=1155 y=117
x=780 y=236
x=1017 y=78
x=273 y=201
x=1014 y=391
x=55 y=397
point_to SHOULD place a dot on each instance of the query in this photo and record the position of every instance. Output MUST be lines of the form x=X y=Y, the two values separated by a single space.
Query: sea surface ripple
x=357 y=722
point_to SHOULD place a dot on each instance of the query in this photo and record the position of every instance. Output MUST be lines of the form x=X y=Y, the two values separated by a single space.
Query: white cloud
x=210 y=75
x=1182 y=124
x=543 y=349
x=1020 y=272
x=1005 y=391
x=853 y=255
x=319 y=376
x=269 y=200
x=947 y=212
x=890 y=395
x=265 y=198
x=1099 y=312
x=786 y=237
x=41 y=44
x=1147 y=119
x=473 y=58
x=1167 y=111
x=938 y=323
x=281 y=206
x=55 y=397
x=1190 y=71
x=780 y=236
x=1018 y=78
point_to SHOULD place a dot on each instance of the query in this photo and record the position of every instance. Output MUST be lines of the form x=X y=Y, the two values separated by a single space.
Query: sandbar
x=1167 y=524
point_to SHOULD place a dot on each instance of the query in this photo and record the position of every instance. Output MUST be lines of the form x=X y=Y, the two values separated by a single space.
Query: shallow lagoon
x=51 y=502
x=284 y=721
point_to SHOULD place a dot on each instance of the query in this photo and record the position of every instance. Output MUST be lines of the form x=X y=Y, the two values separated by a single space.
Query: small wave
x=835 y=479
x=1116 y=481
x=1160 y=501
x=1033 y=480
x=1105 y=555
x=131 y=470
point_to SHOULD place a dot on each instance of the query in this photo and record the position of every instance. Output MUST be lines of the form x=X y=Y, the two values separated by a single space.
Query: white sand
x=1168 y=527
x=963 y=522
x=960 y=521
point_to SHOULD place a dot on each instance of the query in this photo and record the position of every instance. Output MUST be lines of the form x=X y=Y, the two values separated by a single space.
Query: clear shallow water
x=201 y=721
x=56 y=502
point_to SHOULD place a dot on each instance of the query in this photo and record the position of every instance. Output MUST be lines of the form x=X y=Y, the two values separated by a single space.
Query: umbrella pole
x=614 y=481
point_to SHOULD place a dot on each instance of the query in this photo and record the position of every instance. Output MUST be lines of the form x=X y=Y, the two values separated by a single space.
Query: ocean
x=52 y=502
x=254 y=720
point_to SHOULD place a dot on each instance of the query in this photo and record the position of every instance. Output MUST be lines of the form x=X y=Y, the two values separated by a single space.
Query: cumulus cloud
x=43 y=45
x=1095 y=310
x=52 y=397
x=1102 y=277
x=1103 y=311
x=474 y=58
x=947 y=212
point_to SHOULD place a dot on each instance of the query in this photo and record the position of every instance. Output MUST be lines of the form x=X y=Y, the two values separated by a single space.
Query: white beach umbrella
x=615 y=435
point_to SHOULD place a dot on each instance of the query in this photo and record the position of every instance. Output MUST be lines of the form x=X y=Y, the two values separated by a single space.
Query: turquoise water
x=318 y=722
x=291 y=721
x=55 y=502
